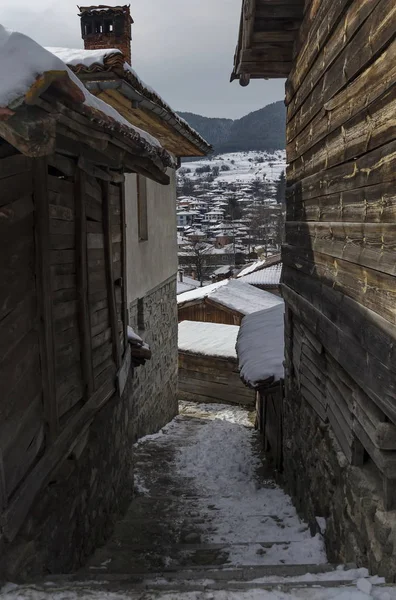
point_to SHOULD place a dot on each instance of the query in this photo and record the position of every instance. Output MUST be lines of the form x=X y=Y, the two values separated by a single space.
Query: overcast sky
x=183 y=48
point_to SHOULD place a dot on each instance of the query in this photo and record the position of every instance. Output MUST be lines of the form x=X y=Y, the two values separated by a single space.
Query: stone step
x=280 y=577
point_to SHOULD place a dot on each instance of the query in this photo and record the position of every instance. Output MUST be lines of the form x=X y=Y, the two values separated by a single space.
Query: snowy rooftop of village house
x=210 y=339
x=235 y=295
x=23 y=61
x=187 y=284
x=268 y=276
x=260 y=346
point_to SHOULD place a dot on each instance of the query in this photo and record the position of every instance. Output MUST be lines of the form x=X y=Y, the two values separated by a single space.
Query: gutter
x=138 y=100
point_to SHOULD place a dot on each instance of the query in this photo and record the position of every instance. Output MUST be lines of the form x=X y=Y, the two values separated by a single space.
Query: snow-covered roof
x=83 y=61
x=269 y=276
x=223 y=270
x=233 y=294
x=27 y=69
x=260 y=264
x=210 y=339
x=201 y=292
x=187 y=284
x=260 y=346
x=244 y=298
x=76 y=56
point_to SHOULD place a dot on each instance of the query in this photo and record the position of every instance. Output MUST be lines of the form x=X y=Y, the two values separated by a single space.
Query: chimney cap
x=105 y=9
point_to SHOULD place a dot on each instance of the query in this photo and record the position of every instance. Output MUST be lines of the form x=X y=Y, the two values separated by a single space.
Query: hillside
x=262 y=129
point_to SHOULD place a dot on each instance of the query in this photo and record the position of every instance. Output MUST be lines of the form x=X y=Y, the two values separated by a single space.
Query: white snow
x=244 y=298
x=258 y=264
x=222 y=463
x=233 y=294
x=244 y=167
x=78 y=56
x=210 y=339
x=260 y=346
x=22 y=61
x=200 y=292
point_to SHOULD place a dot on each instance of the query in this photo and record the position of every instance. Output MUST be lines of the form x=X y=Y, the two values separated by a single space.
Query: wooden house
x=226 y=301
x=338 y=259
x=104 y=67
x=264 y=274
x=65 y=359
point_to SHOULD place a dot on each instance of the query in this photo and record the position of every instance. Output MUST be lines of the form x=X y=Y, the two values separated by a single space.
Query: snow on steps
x=273 y=582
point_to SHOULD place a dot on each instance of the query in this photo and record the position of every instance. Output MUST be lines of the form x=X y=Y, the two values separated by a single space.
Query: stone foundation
x=323 y=484
x=153 y=401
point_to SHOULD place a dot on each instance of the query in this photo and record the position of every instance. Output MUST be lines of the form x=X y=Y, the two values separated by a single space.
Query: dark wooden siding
x=21 y=407
x=339 y=258
x=62 y=313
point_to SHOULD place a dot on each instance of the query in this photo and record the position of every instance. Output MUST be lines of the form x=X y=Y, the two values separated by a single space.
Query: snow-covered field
x=243 y=167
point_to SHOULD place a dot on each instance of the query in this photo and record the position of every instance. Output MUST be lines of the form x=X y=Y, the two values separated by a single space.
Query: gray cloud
x=183 y=48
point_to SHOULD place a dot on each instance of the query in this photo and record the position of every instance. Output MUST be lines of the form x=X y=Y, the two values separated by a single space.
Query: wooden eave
x=145 y=113
x=34 y=130
x=267 y=34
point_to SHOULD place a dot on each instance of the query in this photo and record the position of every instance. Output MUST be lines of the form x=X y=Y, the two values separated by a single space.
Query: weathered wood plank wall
x=212 y=379
x=62 y=312
x=339 y=258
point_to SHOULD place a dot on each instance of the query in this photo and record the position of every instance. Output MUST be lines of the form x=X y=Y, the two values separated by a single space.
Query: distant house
x=264 y=274
x=227 y=302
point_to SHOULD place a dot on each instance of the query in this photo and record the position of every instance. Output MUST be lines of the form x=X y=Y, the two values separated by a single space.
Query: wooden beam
x=82 y=284
x=124 y=264
x=44 y=292
x=108 y=244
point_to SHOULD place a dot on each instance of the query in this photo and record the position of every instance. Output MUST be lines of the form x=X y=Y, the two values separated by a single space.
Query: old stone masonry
x=208 y=522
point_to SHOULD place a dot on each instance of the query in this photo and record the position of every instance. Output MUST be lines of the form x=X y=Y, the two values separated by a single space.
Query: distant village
x=230 y=212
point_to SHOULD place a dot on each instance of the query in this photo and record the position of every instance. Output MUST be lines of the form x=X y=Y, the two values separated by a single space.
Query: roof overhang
x=267 y=33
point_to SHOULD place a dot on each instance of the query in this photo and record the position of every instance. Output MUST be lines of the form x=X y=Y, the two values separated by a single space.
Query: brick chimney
x=105 y=27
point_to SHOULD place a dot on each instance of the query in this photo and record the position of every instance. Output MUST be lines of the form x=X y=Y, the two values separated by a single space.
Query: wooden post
x=108 y=245
x=125 y=311
x=3 y=492
x=82 y=284
x=389 y=489
x=44 y=293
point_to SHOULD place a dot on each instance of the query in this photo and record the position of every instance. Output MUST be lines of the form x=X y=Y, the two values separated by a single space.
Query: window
x=142 y=208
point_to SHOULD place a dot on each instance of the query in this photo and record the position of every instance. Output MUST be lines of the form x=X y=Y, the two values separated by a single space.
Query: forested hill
x=262 y=129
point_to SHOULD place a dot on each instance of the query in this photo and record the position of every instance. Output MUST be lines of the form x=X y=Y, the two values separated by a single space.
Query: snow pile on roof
x=251 y=268
x=78 y=56
x=269 y=276
x=235 y=295
x=260 y=346
x=244 y=298
x=23 y=61
x=187 y=284
x=201 y=292
x=210 y=339
x=223 y=270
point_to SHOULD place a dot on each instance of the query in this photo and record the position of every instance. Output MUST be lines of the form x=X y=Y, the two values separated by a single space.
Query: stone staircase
x=207 y=523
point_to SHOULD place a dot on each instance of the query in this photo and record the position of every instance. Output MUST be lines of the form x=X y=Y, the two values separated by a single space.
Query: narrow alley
x=207 y=522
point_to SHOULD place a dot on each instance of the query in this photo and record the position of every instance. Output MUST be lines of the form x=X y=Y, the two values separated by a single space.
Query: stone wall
x=323 y=484
x=153 y=401
x=77 y=510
